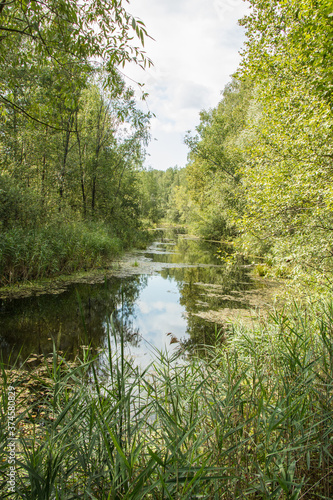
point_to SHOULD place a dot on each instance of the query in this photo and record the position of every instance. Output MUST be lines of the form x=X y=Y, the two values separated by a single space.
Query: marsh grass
x=252 y=419
x=28 y=254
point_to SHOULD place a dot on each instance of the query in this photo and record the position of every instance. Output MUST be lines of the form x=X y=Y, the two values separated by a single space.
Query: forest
x=250 y=416
x=72 y=137
x=73 y=189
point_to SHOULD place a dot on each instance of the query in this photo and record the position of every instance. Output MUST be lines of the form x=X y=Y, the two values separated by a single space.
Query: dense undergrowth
x=251 y=419
x=59 y=248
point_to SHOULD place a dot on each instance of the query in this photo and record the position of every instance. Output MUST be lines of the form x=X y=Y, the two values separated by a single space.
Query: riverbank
x=65 y=248
x=92 y=254
x=224 y=284
x=125 y=264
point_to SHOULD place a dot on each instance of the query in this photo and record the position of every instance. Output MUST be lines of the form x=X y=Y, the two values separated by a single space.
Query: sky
x=195 y=50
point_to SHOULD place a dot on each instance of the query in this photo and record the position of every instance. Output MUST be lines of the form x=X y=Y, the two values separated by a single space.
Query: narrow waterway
x=178 y=292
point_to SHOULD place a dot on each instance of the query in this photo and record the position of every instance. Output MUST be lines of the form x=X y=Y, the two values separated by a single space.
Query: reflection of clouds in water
x=150 y=307
x=144 y=307
x=156 y=312
x=159 y=308
x=154 y=329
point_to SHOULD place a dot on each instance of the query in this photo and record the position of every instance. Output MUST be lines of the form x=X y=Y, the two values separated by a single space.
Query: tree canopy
x=261 y=161
x=71 y=135
x=59 y=34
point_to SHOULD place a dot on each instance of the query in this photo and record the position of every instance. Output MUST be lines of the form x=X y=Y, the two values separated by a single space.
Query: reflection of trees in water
x=202 y=333
x=124 y=297
x=31 y=325
x=205 y=288
x=209 y=285
x=196 y=251
x=185 y=251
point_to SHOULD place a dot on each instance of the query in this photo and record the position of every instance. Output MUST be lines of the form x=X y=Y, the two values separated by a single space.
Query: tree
x=215 y=158
x=287 y=177
x=49 y=32
x=292 y=37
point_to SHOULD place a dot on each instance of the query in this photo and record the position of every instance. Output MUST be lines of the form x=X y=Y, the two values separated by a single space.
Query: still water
x=173 y=291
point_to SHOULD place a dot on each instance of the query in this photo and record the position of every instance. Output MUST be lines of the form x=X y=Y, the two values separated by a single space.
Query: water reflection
x=157 y=316
x=146 y=307
x=71 y=319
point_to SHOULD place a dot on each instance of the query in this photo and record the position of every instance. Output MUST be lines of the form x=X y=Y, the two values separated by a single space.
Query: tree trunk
x=64 y=160
x=82 y=176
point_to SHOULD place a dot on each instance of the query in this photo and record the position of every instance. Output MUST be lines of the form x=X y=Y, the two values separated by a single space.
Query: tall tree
x=288 y=174
x=215 y=159
x=100 y=32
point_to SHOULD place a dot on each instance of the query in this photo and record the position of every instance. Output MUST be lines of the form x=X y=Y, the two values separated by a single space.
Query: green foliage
x=252 y=419
x=159 y=194
x=70 y=176
x=262 y=159
x=216 y=155
x=27 y=254
x=287 y=175
x=71 y=141
x=55 y=31
x=71 y=136
x=17 y=207
x=290 y=39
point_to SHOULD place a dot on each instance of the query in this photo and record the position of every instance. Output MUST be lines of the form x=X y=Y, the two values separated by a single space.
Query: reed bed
x=250 y=419
x=30 y=254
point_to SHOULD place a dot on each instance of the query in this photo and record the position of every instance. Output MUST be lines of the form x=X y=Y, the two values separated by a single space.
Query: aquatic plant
x=56 y=249
x=251 y=419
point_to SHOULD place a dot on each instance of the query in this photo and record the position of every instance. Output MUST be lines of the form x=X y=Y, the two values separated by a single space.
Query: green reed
x=252 y=419
x=66 y=247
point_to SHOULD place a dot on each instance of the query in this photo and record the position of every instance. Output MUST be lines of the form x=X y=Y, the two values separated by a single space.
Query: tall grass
x=252 y=419
x=27 y=254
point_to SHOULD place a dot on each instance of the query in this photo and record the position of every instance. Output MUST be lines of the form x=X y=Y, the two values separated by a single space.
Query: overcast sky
x=195 y=50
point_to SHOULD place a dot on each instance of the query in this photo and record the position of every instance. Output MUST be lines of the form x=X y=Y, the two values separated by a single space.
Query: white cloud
x=194 y=53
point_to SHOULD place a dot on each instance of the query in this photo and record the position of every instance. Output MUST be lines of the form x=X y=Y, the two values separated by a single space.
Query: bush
x=214 y=227
x=17 y=206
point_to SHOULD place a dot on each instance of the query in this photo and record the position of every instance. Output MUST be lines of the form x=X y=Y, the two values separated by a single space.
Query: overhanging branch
x=21 y=110
x=2 y=5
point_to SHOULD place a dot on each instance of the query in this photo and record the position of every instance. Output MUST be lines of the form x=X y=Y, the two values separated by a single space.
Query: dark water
x=151 y=309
